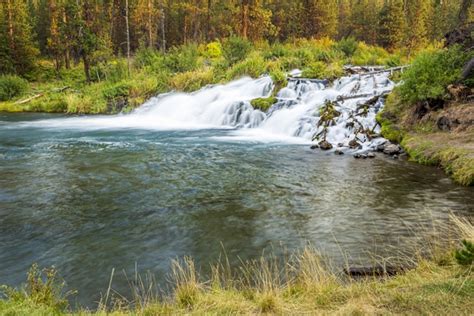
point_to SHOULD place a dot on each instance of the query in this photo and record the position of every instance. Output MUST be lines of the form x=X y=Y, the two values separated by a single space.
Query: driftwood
x=29 y=99
x=378 y=270
x=323 y=81
x=61 y=89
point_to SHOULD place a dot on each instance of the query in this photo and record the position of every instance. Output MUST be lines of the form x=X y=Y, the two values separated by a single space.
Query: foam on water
x=294 y=118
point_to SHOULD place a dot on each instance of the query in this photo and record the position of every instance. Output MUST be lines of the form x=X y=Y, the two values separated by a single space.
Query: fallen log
x=60 y=89
x=30 y=98
x=323 y=81
x=378 y=270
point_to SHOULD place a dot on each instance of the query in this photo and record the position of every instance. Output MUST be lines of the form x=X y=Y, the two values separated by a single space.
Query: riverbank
x=436 y=281
x=441 y=137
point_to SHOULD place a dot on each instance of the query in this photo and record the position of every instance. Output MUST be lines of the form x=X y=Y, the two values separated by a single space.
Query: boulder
x=391 y=149
x=325 y=145
x=381 y=147
x=357 y=156
x=339 y=152
x=353 y=144
x=314 y=147
x=370 y=155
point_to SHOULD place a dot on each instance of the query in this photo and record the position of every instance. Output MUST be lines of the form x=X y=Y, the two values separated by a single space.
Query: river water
x=88 y=194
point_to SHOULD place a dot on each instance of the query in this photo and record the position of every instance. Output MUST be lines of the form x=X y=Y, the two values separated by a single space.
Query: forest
x=94 y=31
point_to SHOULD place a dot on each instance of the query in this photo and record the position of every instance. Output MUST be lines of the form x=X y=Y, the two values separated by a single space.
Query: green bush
x=465 y=255
x=182 y=59
x=236 y=49
x=11 y=87
x=431 y=73
x=253 y=66
x=191 y=81
x=316 y=69
x=121 y=89
x=348 y=46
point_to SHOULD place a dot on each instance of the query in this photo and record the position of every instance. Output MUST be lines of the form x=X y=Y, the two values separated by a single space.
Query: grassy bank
x=186 y=68
x=440 y=281
x=432 y=122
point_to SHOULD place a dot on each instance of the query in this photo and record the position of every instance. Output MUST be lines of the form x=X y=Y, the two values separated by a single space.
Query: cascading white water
x=294 y=117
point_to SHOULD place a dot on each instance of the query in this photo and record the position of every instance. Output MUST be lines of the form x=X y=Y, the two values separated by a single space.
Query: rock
x=363 y=156
x=370 y=155
x=357 y=156
x=459 y=91
x=314 y=147
x=353 y=144
x=325 y=145
x=391 y=149
x=340 y=145
x=381 y=147
x=395 y=156
x=339 y=152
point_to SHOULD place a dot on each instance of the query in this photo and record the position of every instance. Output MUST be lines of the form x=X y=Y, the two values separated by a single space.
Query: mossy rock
x=263 y=104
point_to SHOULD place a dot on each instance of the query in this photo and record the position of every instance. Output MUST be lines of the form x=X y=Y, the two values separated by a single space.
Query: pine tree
x=418 y=13
x=321 y=18
x=18 y=51
x=392 y=24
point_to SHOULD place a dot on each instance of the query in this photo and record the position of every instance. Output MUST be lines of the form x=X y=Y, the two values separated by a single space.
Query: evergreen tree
x=18 y=51
x=321 y=18
x=392 y=24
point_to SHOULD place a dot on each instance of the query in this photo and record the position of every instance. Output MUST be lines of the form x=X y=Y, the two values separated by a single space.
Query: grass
x=302 y=283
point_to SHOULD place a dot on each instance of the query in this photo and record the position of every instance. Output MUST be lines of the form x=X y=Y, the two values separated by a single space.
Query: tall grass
x=298 y=282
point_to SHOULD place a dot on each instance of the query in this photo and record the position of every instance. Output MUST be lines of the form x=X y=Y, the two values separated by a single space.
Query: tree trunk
x=163 y=32
x=87 y=66
x=66 y=50
x=11 y=33
x=245 y=18
x=208 y=20
x=150 y=28
x=128 y=35
x=464 y=11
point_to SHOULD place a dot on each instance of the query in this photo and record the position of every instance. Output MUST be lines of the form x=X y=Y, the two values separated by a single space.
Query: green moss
x=263 y=104
x=389 y=129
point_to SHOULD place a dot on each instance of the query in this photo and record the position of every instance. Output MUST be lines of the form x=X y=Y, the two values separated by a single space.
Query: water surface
x=88 y=201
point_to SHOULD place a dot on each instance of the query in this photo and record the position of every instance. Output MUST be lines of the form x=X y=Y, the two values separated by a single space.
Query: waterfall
x=296 y=115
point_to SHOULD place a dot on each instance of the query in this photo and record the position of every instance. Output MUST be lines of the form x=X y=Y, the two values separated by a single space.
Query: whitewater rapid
x=293 y=118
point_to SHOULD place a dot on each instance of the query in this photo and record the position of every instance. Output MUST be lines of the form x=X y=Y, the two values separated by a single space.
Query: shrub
x=305 y=56
x=213 y=50
x=253 y=66
x=348 y=46
x=192 y=80
x=114 y=91
x=11 y=87
x=369 y=55
x=276 y=51
x=315 y=70
x=430 y=74
x=465 y=255
x=184 y=58
x=236 y=49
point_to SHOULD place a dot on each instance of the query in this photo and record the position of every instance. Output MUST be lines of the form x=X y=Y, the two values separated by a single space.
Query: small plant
x=11 y=87
x=43 y=288
x=465 y=255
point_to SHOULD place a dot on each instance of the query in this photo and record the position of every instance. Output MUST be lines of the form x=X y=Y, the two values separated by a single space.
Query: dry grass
x=301 y=283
